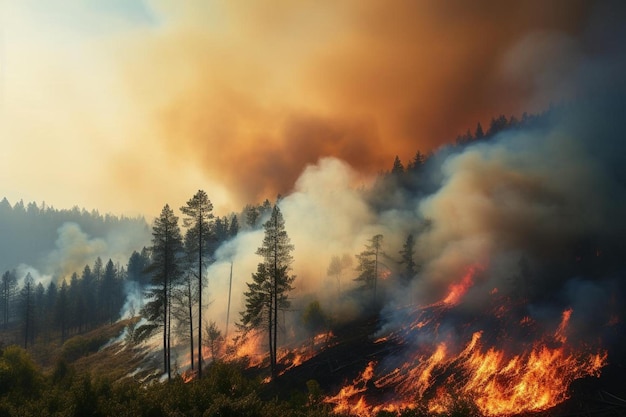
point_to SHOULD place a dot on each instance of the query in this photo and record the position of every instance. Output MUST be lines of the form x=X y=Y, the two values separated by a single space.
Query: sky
x=126 y=105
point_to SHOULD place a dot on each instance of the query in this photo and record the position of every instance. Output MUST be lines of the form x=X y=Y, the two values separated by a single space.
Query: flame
x=188 y=375
x=456 y=291
x=344 y=399
x=499 y=383
x=560 y=331
x=533 y=381
x=249 y=347
x=290 y=358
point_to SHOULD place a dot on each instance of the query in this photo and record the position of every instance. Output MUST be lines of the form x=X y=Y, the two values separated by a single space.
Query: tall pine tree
x=199 y=221
x=166 y=270
x=268 y=291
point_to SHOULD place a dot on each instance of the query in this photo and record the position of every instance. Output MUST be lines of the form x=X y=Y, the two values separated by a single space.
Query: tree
x=27 y=296
x=407 y=257
x=198 y=221
x=61 y=310
x=187 y=295
x=479 y=134
x=251 y=214
x=40 y=305
x=417 y=162
x=89 y=294
x=368 y=264
x=214 y=339
x=397 y=168
x=8 y=292
x=110 y=292
x=267 y=293
x=234 y=227
x=166 y=270
x=336 y=267
x=136 y=268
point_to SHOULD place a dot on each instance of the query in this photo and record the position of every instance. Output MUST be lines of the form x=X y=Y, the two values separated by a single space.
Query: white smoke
x=74 y=248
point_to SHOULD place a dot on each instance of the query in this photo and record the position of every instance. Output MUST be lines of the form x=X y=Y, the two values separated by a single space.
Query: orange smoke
x=254 y=99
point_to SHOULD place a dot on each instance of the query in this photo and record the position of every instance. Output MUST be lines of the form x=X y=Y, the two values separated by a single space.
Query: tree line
x=33 y=229
x=41 y=312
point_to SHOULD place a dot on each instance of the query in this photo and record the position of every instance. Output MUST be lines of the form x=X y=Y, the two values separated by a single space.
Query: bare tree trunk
x=200 y=237
x=230 y=287
x=189 y=297
x=165 y=326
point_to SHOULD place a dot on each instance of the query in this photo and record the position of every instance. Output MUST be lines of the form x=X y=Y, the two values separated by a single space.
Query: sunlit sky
x=125 y=105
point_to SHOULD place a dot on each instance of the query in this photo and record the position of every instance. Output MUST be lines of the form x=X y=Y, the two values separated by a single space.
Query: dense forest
x=157 y=288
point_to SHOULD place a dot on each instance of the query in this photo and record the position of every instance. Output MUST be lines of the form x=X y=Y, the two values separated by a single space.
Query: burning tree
x=267 y=293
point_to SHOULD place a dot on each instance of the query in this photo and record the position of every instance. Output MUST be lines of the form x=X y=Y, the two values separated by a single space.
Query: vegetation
x=268 y=292
x=199 y=223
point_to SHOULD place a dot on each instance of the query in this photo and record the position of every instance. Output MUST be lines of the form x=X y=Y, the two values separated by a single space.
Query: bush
x=19 y=376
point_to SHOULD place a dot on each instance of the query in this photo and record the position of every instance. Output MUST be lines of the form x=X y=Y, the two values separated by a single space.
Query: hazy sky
x=126 y=105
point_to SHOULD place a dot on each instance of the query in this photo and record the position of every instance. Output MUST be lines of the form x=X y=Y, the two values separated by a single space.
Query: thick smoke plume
x=536 y=211
x=243 y=99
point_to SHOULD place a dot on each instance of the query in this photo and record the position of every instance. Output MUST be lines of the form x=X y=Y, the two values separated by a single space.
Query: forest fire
x=498 y=374
x=290 y=358
x=457 y=290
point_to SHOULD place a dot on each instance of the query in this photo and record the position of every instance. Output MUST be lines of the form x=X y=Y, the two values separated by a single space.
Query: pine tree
x=136 y=268
x=407 y=257
x=234 y=227
x=61 y=310
x=397 y=168
x=368 y=264
x=109 y=292
x=336 y=267
x=8 y=292
x=166 y=270
x=268 y=291
x=417 y=162
x=198 y=220
x=479 y=134
x=28 y=309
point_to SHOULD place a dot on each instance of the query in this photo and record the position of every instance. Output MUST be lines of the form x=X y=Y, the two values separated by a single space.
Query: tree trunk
x=230 y=287
x=275 y=297
x=200 y=295
x=165 y=325
x=189 y=296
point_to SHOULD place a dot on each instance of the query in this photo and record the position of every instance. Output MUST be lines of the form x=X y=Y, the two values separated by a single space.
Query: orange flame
x=498 y=383
x=456 y=291
x=249 y=347
x=344 y=399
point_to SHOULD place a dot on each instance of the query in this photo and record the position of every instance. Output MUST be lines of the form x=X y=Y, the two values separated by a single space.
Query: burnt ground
x=354 y=346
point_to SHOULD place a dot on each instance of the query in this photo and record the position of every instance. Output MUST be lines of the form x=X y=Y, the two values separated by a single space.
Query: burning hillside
x=518 y=295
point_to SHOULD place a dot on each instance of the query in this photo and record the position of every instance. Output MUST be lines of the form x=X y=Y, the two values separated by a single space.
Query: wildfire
x=249 y=347
x=188 y=375
x=344 y=399
x=297 y=356
x=499 y=383
x=456 y=291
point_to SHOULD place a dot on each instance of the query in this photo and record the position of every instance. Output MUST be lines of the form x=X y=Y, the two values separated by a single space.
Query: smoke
x=74 y=248
x=534 y=211
x=324 y=216
x=22 y=270
x=206 y=89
